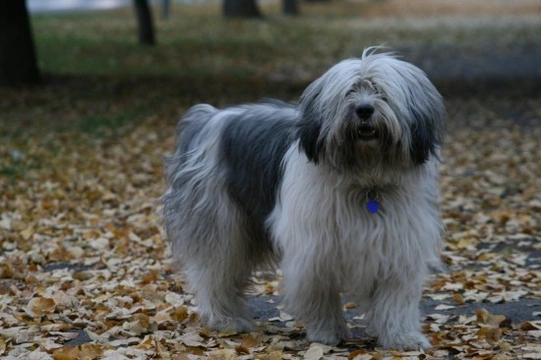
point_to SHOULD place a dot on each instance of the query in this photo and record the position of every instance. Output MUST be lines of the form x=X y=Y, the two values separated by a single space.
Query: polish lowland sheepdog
x=340 y=191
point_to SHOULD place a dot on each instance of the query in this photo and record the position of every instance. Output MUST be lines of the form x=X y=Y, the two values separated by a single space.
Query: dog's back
x=250 y=140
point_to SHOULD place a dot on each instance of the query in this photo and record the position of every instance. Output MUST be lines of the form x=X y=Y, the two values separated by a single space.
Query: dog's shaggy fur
x=340 y=191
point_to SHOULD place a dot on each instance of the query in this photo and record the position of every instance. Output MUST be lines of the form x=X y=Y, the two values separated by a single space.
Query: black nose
x=364 y=111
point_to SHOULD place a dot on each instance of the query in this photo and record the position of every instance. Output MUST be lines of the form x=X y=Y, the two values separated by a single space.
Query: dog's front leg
x=311 y=296
x=394 y=315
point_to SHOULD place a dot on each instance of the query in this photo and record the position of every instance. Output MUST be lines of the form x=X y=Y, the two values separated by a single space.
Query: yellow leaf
x=91 y=351
x=248 y=341
x=273 y=355
x=222 y=354
x=505 y=346
x=350 y=305
x=459 y=299
x=179 y=314
x=227 y=333
x=496 y=320
x=39 y=306
x=66 y=353
x=27 y=233
x=482 y=315
x=493 y=335
x=147 y=343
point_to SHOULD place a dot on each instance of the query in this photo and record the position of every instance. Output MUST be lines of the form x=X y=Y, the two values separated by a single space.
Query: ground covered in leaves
x=84 y=267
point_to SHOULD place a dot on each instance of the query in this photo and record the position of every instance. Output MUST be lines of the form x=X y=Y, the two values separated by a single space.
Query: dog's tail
x=191 y=124
x=189 y=132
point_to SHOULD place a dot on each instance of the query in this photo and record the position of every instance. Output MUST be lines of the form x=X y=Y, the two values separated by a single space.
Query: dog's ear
x=309 y=127
x=428 y=116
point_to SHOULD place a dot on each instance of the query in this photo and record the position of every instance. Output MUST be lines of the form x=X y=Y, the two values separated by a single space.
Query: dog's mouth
x=367 y=132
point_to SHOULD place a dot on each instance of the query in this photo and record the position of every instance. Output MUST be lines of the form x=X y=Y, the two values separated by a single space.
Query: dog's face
x=373 y=110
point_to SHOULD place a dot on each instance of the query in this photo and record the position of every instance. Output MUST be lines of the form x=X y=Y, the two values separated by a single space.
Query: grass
x=196 y=39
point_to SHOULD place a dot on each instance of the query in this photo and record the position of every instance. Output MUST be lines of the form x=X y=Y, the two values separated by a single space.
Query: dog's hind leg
x=206 y=229
x=218 y=266
x=211 y=246
x=219 y=291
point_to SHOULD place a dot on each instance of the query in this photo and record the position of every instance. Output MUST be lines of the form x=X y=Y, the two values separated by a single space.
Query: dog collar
x=372 y=201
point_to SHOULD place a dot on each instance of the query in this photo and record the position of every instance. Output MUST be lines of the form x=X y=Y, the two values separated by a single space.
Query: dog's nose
x=364 y=111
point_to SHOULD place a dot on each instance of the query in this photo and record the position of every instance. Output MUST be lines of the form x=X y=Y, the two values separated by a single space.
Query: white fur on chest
x=321 y=222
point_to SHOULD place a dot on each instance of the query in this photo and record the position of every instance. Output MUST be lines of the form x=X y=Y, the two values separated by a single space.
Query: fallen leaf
x=66 y=353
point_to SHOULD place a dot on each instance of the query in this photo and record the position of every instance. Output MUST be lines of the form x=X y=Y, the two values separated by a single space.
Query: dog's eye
x=380 y=94
x=350 y=91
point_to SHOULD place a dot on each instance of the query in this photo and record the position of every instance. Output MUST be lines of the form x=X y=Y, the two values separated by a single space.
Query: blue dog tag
x=372 y=206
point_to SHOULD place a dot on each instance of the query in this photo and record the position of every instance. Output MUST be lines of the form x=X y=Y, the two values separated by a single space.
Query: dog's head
x=374 y=109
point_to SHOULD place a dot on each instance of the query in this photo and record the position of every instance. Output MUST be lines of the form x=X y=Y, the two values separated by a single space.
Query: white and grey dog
x=340 y=191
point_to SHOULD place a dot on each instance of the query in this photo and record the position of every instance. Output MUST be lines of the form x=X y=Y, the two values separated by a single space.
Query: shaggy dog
x=340 y=191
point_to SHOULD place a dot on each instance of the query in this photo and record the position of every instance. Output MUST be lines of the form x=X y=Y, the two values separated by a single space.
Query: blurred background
x=116 y=57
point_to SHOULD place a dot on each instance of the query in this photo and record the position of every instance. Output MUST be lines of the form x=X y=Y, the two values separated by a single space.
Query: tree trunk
x=241 y=8
x=290 y=7
x=145 y=25
x=18 y=63
x=166 y=9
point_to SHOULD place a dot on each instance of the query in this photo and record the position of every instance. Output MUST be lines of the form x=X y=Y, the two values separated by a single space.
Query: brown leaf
x=39 y=306
x=530 y=325
x=91 y=351
x=248 y=341
x=179 y=314
x=66 y=353
x=352 y=355
x=459 y=299
x=493 y=335
x=2 y=345
x=482 y=315
x=241 y=350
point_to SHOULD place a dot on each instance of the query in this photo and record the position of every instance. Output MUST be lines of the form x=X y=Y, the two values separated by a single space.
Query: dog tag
x=372 y=206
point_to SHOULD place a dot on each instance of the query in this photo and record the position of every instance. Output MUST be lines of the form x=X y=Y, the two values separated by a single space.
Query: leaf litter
x=82 y=251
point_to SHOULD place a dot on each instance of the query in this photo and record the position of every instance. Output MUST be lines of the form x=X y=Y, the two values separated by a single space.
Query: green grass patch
x=197 y=39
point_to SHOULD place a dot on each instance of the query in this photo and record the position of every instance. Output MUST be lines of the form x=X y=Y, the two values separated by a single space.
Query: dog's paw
x=224 y=323
x=329 y=336
x=405 y=341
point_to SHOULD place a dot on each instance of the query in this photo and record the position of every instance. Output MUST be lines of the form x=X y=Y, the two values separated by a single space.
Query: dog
x=340 y=191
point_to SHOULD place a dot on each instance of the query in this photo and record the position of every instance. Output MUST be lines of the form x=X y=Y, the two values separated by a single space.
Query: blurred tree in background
x=290 y=7
x=18 y=63
x=145 y=25
x=250 y=9
x=241 y=8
